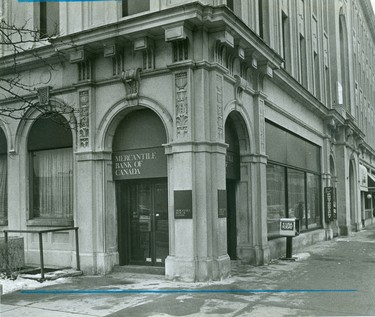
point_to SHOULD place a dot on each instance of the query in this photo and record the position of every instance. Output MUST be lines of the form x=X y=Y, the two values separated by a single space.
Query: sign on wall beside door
x=140 y=163
x=183 y=204
x=330 y=203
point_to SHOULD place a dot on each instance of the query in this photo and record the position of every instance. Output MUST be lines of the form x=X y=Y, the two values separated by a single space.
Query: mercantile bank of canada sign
x=140 y=163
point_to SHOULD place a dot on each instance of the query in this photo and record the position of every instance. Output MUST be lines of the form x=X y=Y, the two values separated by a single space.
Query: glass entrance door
x=231 y=220
x=143 y=222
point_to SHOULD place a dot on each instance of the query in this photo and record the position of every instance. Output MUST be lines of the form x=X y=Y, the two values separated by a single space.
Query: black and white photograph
x=167 y=158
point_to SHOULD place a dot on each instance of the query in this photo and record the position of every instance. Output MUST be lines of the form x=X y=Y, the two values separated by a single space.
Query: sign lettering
x=330 y=203
x=183 y=204
x=289 y=227
x=142 y=163
x=286 y=225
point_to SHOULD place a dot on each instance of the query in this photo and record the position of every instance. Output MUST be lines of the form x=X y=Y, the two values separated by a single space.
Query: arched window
x=51 y=168
x=3 y=180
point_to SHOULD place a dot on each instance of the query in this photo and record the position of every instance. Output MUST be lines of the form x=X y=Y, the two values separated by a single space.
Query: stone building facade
x=178 y=133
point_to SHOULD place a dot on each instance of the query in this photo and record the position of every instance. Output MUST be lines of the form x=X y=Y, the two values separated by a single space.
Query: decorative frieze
x=219 y=106
x=84 y=124
x=182 y=113
x=262 y=127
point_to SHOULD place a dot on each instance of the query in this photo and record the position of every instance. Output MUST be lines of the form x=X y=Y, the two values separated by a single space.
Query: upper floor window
x=260 y=17
x=230 y=4
x=180 y=50
x=48 y=18
x=130 y=7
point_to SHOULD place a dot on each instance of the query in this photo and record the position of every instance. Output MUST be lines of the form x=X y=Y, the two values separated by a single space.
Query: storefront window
x=313 y=200
x=296 y=196
x=275 y=197
x=303 y=192
x=296 y=162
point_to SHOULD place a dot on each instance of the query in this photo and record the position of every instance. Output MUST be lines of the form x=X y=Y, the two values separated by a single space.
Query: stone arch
x=243 y=126
x=33 y=114
x=119 y=110
x=239 y=183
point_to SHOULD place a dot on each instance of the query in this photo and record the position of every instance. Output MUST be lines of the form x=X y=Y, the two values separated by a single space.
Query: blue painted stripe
x=179 y=291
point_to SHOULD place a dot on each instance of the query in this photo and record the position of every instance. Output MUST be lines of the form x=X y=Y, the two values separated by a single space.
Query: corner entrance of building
x=139 y=167
x=143 y=222
x=231 y=219
x=232 y=178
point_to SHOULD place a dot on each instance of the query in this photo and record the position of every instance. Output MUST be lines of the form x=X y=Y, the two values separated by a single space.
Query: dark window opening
x=260 y=16
x=230 y=4
x=48 y=19
x=180 y=50
x=130 y=7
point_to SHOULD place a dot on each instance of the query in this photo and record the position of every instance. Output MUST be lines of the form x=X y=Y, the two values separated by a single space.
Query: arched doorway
x=140 y=173
x=232 y=179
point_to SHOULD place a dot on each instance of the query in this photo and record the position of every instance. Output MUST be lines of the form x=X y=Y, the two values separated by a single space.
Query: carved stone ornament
x=219 y=105
x=182 y=115
x=240 y=86
x=131 y=79
x=43 y=95
x=84 y=126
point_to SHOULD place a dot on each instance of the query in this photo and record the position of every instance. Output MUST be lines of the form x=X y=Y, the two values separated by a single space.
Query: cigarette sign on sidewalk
x=289 y=227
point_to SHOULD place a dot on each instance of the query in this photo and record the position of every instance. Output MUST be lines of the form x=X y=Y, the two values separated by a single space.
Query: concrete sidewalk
x=331 y=278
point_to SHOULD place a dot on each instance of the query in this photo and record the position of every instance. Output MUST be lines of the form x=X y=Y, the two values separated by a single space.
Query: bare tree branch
x=20 y=42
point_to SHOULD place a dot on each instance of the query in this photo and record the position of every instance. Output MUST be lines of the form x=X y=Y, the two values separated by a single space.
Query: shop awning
x=371 y=182
x=363 y=178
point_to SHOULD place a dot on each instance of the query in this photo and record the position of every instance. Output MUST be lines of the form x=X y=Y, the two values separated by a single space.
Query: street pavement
x=330 y=278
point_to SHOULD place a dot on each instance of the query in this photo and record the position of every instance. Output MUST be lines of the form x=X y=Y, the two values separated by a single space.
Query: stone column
x=343 y=193
x=259 y=184
x=196 y=172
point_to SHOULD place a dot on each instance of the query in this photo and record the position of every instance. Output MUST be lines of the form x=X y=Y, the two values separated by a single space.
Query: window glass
x=51 y=168
x=313 y=200
x=130 y=7
x=275 y=197
x=287 y=148
x=49 y=19
x=52 y=183
x=296 y=196
x=230 y=4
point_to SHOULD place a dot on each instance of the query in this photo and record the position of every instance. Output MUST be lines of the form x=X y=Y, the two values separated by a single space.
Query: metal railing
x=40 y=233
